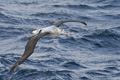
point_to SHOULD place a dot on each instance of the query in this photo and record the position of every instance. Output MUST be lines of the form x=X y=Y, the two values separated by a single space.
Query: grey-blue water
x=90 y=52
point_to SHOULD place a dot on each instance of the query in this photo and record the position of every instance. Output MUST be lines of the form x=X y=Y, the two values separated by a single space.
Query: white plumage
x=53 y=30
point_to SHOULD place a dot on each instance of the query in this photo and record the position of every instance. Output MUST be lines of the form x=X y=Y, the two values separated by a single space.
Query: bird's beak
x=67 y=33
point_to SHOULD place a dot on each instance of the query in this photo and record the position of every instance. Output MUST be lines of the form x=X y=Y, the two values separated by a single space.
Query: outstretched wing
x=61 y=22
x=29 y=49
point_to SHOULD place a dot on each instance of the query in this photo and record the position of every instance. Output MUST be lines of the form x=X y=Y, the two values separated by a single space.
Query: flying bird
x=51 y=31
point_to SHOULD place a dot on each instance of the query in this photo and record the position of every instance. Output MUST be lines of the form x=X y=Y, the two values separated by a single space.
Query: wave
x=89 y=53
x=11 y=32
x=9 y=19
x=72 y=65
x=81 y=6
x=53 y=14
x=105 y=38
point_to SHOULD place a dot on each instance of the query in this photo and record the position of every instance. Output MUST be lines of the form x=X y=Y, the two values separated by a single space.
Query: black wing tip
x=14 y=67
x=10 y=71
x=84 y=23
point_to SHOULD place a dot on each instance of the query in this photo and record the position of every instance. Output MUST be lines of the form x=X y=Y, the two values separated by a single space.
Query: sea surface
x=91 y=52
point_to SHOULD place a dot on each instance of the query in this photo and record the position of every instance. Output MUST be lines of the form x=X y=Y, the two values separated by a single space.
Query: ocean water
x=91 y=52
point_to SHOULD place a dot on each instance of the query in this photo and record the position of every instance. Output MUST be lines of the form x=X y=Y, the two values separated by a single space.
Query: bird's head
x=62 y=31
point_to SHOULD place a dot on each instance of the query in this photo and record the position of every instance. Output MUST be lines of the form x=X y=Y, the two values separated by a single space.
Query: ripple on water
x=52 y=14
x=81 y=6
x=72 y=65
x=9 y=19
x=96 y=74
x=102 y=39
x=85 y=78
x=47 y=75
x=54 y=58
x=11 y=31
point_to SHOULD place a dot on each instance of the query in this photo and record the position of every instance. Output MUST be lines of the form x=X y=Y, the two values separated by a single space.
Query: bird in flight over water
x=50 y=31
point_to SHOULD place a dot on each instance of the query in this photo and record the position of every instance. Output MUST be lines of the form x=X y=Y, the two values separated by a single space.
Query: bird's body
x=50 y=31
x=53 y=30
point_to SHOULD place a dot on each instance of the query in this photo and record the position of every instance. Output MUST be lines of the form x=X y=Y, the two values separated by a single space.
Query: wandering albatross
x=50 y=31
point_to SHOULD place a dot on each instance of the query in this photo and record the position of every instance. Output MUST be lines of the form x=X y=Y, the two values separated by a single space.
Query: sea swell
x=90 y=52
